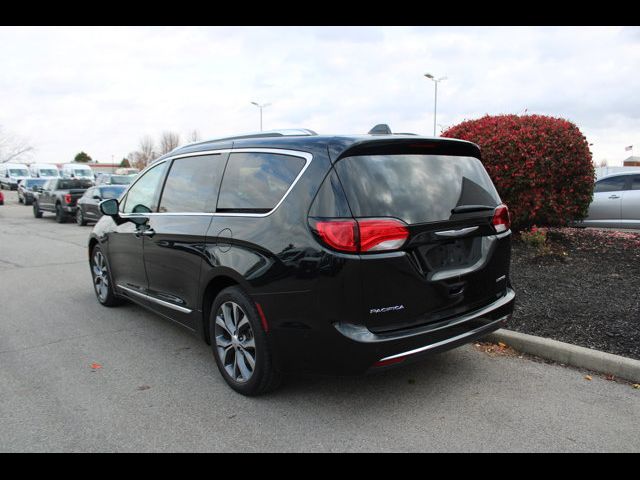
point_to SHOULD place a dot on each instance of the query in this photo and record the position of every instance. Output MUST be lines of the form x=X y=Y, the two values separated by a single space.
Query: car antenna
x=380 y=129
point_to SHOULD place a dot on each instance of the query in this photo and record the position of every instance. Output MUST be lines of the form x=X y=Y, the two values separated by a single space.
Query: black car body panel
x=325 y=310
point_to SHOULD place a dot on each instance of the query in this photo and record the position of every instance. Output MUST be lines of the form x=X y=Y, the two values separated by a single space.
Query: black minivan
x=296 y=252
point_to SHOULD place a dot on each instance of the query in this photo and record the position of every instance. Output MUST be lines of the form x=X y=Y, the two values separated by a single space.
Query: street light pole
x=264 y=105
x=435 y=99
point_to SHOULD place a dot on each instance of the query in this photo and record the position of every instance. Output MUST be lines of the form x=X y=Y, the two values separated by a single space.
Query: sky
x=100 y=89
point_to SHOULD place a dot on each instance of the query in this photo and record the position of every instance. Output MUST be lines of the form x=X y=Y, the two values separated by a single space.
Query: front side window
x=255 y=182
x=192 y=184
x=635 y=182
x=612 y=184
x=142 y=196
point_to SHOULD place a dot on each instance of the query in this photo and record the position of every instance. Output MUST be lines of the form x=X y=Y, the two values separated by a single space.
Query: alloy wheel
x=100 y=276
x=235 y=342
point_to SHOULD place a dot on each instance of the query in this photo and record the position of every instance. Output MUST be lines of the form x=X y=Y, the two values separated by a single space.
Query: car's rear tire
x=61 y=216
x=102 y=284
x=80 y=218
x=240 y=345
x=36 y=210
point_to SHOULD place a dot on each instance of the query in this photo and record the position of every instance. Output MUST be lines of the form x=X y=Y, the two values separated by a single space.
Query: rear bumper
x=347 y=349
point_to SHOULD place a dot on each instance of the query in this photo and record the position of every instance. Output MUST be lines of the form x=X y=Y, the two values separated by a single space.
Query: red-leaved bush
x=540 y=165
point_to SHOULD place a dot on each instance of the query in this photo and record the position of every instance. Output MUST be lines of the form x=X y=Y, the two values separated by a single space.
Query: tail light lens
x=67 y=198
x=501 y=220
x=382 y=234
x=339 y=234
x=362 y=235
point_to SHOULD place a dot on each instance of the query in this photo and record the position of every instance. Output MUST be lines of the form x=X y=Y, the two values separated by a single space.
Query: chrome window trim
x=156 y=300
x=308 y=157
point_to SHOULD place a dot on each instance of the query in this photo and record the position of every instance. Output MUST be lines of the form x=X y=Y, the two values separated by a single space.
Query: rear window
x=414 y=188
x=255 y=182
x=70 y=184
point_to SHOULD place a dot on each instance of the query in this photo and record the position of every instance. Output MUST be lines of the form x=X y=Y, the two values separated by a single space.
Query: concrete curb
x=620 y=367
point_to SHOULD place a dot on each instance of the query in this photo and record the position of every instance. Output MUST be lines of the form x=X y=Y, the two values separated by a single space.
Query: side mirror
x=109 y=207
x=97 y=197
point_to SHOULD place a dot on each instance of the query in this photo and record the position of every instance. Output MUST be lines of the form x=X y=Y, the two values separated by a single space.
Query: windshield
x=78 y=172
x=18 y=172
x=30 y=182
x=414 y=188
x=111 y=192
x=48 y=172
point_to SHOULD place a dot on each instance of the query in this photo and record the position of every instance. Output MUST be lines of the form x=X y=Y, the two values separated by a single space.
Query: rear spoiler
x=408 y=145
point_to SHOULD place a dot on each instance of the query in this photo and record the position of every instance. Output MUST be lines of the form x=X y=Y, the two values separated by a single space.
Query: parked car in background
x=44 y=170
x=113 y=179
x=27 y=189
x=616 y=201
x=127 y=171
x=59 y=196
x=11 y=174
x=291 y=251
x=77 y=170
x=88 y=210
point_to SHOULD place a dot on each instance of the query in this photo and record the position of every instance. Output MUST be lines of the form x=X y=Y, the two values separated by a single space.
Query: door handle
x=614 y=196
x=149 y=232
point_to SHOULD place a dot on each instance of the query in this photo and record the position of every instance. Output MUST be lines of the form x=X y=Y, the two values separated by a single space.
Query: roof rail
x=289 y=132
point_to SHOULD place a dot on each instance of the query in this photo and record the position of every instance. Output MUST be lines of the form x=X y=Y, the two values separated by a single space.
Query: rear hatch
x=73 y=189
x=446 y=255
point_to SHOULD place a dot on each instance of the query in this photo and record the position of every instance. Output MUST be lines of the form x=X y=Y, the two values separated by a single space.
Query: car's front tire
x=80 y=218
x=36 y=210
x=102 y=285
x=240 y=345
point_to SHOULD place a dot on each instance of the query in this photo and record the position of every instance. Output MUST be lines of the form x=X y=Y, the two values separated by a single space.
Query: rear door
x=174 y=243
x=630 y=206
x=453 y=260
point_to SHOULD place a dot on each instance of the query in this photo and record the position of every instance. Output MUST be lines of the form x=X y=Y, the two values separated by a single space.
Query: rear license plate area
x=451 y=254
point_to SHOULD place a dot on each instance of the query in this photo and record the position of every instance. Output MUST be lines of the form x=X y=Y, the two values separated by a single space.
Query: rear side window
x=192 y=184
x=255 y=182
x=635 y=182
x=613 y=184
x=414 y=188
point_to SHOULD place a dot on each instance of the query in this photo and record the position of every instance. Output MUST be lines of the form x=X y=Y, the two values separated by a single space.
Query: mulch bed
x=582 y=288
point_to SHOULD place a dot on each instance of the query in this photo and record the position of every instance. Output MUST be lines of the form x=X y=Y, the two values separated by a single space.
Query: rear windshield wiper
x=471 y=208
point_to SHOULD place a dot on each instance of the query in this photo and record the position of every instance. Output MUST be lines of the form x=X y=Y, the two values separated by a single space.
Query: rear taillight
x=501 y=220
x=382 y=234
x=67 y=198
x=362 y=235
x=338 y=234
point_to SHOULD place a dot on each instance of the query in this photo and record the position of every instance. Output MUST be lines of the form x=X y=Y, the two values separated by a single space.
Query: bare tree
x=168 y=141
x=144 y=155
x=194 y=136
x=604 y=162
x=12 y=147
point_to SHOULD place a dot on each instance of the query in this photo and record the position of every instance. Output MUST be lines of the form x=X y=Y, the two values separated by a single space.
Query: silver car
x=616 y=201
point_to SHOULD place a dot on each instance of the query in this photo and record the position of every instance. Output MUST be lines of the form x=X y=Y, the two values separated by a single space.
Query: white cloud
x=100 y=89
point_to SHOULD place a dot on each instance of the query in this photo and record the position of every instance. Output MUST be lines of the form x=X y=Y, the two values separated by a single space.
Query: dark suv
x=296 y=252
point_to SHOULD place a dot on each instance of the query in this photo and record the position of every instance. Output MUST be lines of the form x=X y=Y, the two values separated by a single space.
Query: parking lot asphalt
x=158 y=388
